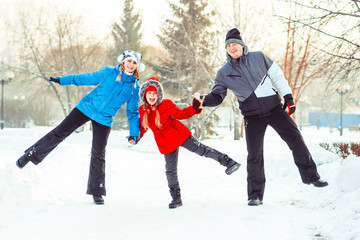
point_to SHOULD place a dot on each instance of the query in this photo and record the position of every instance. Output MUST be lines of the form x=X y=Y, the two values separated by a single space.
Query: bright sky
x=102 y=13
x=98 y=15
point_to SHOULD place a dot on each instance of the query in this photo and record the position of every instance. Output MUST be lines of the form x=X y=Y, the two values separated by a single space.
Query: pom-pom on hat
x=153 y=84
x=135 y=56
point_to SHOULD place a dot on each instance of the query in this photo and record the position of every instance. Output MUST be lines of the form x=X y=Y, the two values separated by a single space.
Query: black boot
x=319 y=183
x=175 y=194
x=21 y=162
x=255 y=202
x=230 y=164
x=98 y=200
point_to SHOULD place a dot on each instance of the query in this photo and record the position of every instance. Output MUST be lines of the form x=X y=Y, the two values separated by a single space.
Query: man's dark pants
x=283 y=124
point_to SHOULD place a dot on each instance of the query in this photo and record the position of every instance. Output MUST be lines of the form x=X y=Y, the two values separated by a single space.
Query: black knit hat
x=233 y=36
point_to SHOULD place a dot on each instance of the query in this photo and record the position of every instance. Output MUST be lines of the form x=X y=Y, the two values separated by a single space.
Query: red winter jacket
x=172 y=133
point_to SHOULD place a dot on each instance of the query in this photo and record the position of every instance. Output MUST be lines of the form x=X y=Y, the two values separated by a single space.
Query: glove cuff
x=197 y=109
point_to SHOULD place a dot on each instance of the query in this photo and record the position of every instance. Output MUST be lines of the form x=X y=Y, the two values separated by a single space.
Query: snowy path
x=48 y=201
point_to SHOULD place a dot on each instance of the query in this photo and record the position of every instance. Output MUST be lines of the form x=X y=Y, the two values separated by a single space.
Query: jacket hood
x=149 y=83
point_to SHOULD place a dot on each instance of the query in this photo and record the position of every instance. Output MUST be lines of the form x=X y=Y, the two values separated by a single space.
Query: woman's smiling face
x=130 y=65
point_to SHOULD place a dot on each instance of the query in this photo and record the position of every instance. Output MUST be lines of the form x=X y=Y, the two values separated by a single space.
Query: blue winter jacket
x=103 y=103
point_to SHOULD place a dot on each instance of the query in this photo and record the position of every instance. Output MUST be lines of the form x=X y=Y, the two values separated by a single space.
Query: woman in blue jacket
x=116 y=86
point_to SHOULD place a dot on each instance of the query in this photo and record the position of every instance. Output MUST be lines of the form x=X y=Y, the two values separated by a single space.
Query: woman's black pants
x=75 y=119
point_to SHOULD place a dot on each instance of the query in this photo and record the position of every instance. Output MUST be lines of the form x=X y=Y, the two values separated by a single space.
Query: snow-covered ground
x=48 y=201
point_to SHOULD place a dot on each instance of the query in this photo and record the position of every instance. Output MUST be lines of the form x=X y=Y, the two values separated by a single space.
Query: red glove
x=289 y=103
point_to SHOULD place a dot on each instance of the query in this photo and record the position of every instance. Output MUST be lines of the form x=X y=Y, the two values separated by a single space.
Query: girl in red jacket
x=162 y=117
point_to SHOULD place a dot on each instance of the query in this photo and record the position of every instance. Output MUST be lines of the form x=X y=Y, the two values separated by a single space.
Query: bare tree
x=337 y=23
x=242 y=16
x=55 y=49
x=302 y=63
x=329 y=104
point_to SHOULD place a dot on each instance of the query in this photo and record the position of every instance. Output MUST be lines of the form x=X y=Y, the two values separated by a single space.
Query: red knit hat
x=151 y=87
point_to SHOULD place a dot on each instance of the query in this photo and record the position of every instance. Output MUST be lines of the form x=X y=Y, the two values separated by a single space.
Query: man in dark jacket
x=251 y=76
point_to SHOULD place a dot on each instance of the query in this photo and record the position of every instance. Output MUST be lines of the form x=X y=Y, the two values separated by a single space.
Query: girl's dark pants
x=75 y=119
x=288 y=131
x=193 y=145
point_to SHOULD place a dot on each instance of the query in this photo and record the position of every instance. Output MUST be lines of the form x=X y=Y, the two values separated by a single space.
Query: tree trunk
x=242 y=127
x=237 y=125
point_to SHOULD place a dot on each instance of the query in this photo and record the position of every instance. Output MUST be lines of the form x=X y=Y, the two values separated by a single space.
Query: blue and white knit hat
x=135 y=56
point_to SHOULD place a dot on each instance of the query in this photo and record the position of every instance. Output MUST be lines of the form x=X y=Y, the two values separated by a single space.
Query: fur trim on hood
x=153 y=81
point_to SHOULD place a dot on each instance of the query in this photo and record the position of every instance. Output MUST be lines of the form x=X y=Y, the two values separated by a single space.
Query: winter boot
x=319 y=183
x=230 y=164
x=255 y=202
x=98 y=200
x=21 y=162
x=176 y=197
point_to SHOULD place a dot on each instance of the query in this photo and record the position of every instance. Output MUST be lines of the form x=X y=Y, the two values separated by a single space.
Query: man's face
x=235 y=50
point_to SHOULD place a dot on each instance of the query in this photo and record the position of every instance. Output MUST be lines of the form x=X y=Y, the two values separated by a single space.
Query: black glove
x=136 y=139
x=289 y=103
x=196 y=103
x=55 y=80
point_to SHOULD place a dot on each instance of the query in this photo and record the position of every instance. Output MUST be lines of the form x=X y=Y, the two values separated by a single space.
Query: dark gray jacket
x=251 y=78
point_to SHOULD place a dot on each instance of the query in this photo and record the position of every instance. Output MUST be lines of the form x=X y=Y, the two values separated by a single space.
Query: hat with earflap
x=152 y=84
x=135 y=56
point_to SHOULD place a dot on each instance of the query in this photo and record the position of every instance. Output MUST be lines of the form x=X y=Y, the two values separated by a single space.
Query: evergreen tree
x=127 y=33
x=189 y=42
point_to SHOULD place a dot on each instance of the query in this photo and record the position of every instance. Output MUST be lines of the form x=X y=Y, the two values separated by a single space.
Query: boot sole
x=232 y=169
x=320 y=185
x=175 y=206
x=255 y=204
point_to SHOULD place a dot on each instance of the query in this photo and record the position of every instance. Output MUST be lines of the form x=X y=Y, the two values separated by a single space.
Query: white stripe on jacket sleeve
x=278 y=79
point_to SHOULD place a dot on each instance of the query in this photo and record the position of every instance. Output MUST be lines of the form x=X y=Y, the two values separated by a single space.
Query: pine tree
x=126 y=34
x=189 y=42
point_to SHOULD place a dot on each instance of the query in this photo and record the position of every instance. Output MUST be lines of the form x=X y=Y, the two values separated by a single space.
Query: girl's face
x=151 y=97
x=130 y=65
